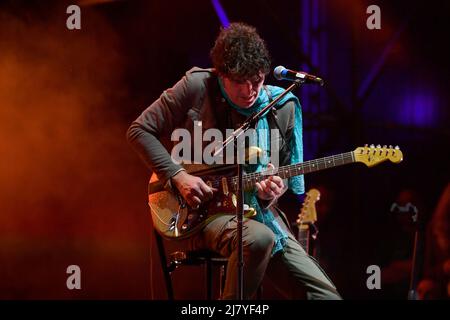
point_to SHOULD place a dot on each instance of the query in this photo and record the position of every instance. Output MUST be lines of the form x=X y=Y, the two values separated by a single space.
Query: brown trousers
x=293 y=271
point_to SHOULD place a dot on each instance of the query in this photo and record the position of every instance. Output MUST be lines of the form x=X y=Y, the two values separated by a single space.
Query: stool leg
x=166 y=272
x=222 y=280
x=208 y=280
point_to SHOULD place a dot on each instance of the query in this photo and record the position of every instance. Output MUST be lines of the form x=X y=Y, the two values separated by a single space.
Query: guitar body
x=174 y=219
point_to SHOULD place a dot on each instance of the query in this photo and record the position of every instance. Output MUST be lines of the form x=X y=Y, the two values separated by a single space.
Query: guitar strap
x=272 y=117
x=274 y=123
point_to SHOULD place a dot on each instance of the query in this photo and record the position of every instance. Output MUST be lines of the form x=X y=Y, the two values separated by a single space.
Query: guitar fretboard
x=303 y=238
x=296 y=169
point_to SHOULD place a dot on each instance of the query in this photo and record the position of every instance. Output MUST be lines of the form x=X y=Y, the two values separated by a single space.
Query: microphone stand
x=417 y=259
x=418 y=247
x=251 y=120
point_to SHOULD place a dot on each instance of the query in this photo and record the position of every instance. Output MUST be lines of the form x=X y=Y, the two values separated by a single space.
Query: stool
x=190 y=258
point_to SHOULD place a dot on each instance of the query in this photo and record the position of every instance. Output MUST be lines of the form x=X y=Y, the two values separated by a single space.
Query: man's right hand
x=193 y=189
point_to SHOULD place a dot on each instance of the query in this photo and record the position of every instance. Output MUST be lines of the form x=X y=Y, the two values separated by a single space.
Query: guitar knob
x=372 y=146
x=397 y=148
x=378 y=146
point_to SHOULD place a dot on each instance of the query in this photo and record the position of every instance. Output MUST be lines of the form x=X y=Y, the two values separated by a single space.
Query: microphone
x=281 y=73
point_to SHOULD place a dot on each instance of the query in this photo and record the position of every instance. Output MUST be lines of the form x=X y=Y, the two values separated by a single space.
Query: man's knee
x=259 y=239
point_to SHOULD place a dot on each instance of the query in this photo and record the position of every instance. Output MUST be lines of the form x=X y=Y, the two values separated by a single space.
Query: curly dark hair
x=239 y=52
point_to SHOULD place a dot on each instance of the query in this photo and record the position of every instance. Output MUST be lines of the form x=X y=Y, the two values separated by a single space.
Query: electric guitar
x=306 y=219
x=174 y=219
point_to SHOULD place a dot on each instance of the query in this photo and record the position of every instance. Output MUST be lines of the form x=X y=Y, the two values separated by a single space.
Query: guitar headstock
x=371 y=155
x=308 y=212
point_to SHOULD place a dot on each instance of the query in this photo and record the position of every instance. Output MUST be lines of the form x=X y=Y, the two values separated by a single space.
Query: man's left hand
x=270 y=188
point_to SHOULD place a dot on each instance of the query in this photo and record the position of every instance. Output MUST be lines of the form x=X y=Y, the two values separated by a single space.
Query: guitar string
x=293 y=167
x=298 y=166
x=306 y=163
x=290 y=168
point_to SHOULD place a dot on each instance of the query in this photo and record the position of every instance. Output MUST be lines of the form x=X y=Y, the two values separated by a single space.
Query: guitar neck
x=303 y=238
x=299 y=168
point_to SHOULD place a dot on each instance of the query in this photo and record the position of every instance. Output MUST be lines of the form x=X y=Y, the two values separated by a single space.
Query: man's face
x=243 y=92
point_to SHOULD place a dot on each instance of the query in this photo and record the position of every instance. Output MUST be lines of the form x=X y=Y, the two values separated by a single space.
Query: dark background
x=73 y=192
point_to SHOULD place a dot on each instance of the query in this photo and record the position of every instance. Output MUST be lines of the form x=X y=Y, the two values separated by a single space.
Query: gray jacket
x=196 y=97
